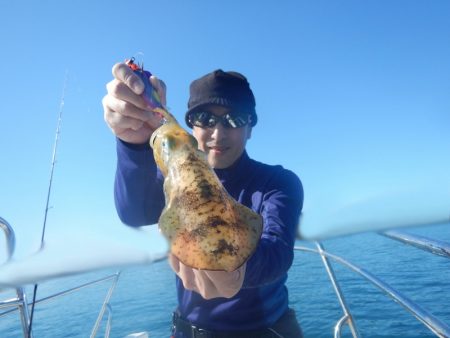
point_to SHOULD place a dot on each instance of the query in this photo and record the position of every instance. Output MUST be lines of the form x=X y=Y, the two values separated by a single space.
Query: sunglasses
x=206 y=119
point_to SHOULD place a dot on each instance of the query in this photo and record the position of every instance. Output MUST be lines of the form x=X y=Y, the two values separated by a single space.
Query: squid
x=206 y=228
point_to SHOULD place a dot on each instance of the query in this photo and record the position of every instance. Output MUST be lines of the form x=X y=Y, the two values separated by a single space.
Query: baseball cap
x=229 y=89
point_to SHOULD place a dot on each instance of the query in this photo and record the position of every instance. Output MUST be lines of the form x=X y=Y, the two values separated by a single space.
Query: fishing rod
x=52 y=169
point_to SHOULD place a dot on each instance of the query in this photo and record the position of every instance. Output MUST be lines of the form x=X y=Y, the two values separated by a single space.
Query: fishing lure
x=150 y=95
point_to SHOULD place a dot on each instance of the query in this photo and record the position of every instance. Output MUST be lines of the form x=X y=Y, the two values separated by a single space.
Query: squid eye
x=169 y=143
x=172 y=142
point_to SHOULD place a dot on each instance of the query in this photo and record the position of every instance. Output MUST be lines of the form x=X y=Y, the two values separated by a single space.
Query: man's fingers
x=174 y=263
x=129 y=87
x=206 y=286
x=121 y=91
x=188 y=277
x=124 y=74
x=185 y=273
x=227 y=284
x=209 y=284
x=126 y=108
x=160 y=88
x=118 y=122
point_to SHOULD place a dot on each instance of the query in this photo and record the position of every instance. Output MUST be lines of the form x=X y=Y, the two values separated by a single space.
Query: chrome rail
x=434 y=246
x=114 y=276
x=108 y=323
x=105 y=306
x=433 y=323
x=347 y=318
x=20 y=301
x=9 y=303
x=10 y=238
x=339 y=324
x=65 y=292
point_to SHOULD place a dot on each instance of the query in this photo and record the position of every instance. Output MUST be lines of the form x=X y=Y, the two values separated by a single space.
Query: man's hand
x=124 y=109
x=209 y=284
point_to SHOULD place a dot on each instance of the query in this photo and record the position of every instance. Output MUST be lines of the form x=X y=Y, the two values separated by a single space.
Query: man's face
x=223 y=146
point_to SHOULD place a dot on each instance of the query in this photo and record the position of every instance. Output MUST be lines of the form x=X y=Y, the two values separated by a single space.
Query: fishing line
x=52 y=168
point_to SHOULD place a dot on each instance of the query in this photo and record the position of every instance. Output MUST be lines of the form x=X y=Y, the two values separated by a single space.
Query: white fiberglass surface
x=68 y=253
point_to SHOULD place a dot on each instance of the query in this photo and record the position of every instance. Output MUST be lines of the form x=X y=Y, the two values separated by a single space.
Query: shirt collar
x=236 y=170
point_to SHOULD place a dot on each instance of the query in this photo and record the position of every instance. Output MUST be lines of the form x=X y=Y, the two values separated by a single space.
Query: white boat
x=42 y=266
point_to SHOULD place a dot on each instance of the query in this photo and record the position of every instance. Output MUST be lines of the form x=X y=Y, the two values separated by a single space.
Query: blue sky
x=353 y=96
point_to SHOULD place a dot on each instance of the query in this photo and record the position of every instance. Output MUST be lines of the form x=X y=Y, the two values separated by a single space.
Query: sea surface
x=145 y=296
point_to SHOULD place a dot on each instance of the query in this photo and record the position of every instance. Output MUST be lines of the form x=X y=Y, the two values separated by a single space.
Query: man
x=253 y=300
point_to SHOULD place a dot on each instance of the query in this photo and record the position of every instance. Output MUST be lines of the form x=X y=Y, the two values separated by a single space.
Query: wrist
x=134 y=146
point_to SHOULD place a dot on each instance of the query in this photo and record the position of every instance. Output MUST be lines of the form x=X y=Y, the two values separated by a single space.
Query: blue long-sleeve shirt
x=272 y=191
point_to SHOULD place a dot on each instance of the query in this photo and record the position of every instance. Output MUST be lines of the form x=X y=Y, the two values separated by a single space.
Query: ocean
x=145 y=296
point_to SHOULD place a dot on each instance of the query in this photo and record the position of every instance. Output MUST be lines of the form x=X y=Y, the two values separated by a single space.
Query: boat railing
x=434 y=246
x=9 y=237
x=434 y=324
x=19 y=302
x=439 y=328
